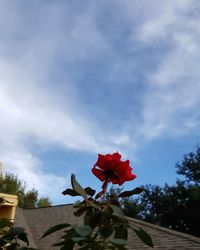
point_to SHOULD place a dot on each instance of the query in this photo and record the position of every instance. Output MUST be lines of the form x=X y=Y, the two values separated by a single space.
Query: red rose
x=111 y=168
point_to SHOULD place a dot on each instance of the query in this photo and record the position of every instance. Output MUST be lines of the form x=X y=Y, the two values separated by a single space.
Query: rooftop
x=37 y=221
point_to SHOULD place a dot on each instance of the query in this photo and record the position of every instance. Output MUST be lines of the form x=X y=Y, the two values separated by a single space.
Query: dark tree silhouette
x=190 y=166
x=177 y=206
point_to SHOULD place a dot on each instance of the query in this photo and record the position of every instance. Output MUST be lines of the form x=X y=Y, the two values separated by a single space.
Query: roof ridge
x=170 y=231
x=59 y=205
x=26 y=227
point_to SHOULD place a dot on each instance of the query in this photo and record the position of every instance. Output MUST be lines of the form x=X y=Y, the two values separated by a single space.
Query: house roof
x=37 y=221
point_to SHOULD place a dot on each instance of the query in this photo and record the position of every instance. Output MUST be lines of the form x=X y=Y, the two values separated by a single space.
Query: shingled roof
x=37 y=221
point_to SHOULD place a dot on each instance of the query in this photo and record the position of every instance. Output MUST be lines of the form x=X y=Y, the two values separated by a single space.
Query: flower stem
x=105 y=185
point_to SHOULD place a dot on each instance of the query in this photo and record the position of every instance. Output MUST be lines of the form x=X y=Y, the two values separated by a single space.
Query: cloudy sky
x=78 y=78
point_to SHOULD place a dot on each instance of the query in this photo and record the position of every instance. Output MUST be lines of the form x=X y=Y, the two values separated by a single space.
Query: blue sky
x=81 y=78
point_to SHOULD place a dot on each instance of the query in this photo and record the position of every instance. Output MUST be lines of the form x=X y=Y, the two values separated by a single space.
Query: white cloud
x=31 y=108
x=171 y=107
x=34 y=108
x=161 y=18
x=29 y=112
x=26 y=166
x=171 y=102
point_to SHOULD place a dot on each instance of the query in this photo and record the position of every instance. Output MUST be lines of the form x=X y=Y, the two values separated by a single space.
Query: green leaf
x=117 y=211
x=55 y=229
x=15 y=231
x=70 y=192
x=12 y=246
x=77 y=239
x=144 y=236
x=80 y=211
x=80 y=204
x=92 y=219
x=23 y=237
x=83 y=230
x=99 y=195
x=131 y=192
x=77 y=187
x=69 y=245
x=119 y=241
x=90 y=191
x=92 y=203
x=5 y=223
x=70 y=233
x=121 y=232
x=106 y=231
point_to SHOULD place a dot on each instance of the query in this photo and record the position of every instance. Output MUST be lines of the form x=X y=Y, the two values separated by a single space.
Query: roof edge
x=170 y=231
x=60 y=205
x=140 y=222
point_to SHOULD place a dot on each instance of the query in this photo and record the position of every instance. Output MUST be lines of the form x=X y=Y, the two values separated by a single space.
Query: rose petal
x=110 y=166
x=99 y=174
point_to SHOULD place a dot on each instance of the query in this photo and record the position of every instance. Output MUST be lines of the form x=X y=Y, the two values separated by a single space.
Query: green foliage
x=30 y=199
x=128 y=204
x=56 y=228
x=130 y=207
x=131 y=192
x=176 y=207
x=43 y=202
x=104 y=223
x=144 y=236
x=190 y=166
x=11 y=237
x=11 y=184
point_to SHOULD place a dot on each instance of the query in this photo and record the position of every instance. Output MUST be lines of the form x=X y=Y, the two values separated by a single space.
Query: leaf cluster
x=12 y=238
x=104 y=224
